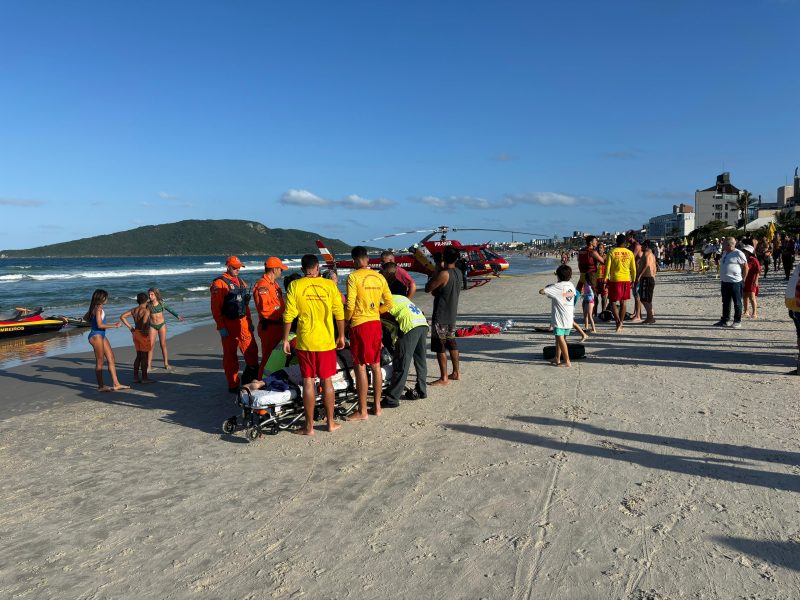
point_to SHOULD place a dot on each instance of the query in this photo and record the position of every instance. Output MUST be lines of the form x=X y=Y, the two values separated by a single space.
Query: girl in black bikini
x=158 y=326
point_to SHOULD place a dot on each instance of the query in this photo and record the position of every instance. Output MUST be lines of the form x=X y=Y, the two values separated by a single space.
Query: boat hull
x=9 y=329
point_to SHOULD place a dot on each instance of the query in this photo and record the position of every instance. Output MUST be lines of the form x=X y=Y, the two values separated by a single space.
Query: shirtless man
x=646 y=277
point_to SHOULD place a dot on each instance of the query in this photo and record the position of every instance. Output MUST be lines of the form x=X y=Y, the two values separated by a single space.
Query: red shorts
x=365 y=343
x=618 y=290
x=141 y=341
x=317 y=364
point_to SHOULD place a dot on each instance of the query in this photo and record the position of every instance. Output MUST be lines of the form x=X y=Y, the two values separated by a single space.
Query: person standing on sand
x=646 y=276
x=621 y=273
x=445 y=285
x=635 y=247
x=317 y=305
x=733 y=272
x=158 y=326
x=750 y=289
x=562 y=317
x=793 y=304
x=230 y=307
x=141 y=336
x=96 y=317
x=268 y=298
x=589 y=260
x=368 y=296
x=400 y=274
x=787 y=255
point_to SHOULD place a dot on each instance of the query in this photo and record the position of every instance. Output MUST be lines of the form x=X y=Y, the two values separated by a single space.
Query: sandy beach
x=664 y=465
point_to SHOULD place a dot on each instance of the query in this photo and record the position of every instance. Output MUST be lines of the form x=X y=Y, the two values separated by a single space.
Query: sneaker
x=721 y=324
x=389 y=404
x=414 y=395
x=736 y=325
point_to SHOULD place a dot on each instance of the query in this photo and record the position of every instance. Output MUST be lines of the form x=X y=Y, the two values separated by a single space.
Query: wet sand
x=664 y=465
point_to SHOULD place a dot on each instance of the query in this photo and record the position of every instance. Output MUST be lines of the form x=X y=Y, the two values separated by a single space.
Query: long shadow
x=744 y=452
x=196 y=399
x=783 y=554
x=687 y=465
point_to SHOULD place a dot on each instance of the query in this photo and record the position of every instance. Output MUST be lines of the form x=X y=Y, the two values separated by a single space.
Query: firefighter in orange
x=270 y=305
x=230 y=299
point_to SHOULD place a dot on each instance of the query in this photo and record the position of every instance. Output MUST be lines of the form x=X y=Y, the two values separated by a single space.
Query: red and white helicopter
x=481 y=262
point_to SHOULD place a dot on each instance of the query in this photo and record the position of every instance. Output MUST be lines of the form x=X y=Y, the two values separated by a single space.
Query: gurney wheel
x=229 y=425
x=253 y=433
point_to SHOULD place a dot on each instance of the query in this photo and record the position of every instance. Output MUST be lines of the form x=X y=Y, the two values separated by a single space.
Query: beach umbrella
x=771 y=231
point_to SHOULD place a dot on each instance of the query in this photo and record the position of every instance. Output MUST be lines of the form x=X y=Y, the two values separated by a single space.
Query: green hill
x=187 y=238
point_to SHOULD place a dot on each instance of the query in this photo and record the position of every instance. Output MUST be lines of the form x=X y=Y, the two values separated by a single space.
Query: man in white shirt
x=733 y=271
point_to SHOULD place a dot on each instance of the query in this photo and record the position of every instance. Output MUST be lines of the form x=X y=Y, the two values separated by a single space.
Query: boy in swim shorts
x=141 y=336
x=562 y=297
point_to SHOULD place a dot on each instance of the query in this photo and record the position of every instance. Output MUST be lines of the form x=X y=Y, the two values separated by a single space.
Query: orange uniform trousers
x=269 y=336
x=238 y=339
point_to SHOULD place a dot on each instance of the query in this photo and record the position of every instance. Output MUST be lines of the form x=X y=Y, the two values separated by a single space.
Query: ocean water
x=64 y=286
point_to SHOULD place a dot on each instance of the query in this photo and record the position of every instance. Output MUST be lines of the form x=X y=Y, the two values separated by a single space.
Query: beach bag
x=575 y=351
x=606 y=315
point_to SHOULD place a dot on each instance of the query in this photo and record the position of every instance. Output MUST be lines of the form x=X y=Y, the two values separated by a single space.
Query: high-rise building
x=717 y=203
x=679 y=223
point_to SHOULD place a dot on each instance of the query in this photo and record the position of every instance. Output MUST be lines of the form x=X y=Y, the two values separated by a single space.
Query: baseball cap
x=234 y=262
x=748 y=248
x=273 y=262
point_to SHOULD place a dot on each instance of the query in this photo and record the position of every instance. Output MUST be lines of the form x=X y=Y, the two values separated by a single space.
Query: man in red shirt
x=400 y=275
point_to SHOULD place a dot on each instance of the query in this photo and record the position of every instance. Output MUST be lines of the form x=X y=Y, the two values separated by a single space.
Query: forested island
x=188 y=238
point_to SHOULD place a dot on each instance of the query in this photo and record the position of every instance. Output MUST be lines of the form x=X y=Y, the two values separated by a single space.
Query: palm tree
x=744 y=203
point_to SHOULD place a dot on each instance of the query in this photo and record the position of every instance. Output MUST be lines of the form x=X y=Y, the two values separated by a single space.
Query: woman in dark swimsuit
x=158 y=326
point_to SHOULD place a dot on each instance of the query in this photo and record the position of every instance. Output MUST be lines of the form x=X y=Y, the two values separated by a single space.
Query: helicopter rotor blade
x=499 y=230
x=391 y=235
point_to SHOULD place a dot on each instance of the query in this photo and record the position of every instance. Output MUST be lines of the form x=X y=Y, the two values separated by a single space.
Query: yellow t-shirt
x=316 y=302
x=365 y=291
x=620 y=265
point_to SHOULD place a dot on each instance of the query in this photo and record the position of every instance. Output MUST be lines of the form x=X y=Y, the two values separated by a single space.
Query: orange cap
x=234 y=262
x=273 y=262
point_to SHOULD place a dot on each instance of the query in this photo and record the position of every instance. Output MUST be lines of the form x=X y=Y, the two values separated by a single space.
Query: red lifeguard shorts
x=618 y=290
x=365 y=343
x=317 y=364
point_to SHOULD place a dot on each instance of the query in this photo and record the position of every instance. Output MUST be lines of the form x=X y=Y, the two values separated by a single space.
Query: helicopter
x=480 y=262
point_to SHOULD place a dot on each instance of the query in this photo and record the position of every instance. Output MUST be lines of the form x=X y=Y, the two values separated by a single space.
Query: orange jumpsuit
x=239 y=328
x=270 y=305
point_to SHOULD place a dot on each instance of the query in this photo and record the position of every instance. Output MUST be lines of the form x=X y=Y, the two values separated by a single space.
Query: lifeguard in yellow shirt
x=315 y=303
x=621 y=273
x=368 y=296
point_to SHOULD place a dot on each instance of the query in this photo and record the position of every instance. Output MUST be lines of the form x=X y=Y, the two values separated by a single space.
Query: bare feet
x=454 y=376
x=440 y=382
x=358 y=416
x=555 y=364
x=755 y=316
x=584 y=337
x=377 y=411
x=104 y=388
x=618 y=329
x=119 y=386
x=649 y=321
x=567 y=364
x=148 y=380
x=333 y=427
x=304 y=431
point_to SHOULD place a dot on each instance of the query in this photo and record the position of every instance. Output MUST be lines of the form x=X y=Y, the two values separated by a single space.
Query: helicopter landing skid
x=477 y=282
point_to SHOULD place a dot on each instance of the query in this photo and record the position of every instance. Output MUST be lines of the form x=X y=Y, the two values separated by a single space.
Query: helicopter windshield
x=491 y=255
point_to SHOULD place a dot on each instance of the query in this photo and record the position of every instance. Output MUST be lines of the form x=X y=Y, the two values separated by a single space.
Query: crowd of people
x=313 y=310
x=609 y=278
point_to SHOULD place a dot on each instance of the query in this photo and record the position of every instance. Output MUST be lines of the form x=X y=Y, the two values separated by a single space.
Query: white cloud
x=167 y=196
x=507 y=201
x=353 y=201
x=18 y=202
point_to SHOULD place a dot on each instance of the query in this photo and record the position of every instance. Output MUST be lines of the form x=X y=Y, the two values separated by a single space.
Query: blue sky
x=356 y=119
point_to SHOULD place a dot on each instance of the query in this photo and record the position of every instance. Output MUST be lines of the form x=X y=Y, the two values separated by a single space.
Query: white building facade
x=675 y=224
x=717 y=203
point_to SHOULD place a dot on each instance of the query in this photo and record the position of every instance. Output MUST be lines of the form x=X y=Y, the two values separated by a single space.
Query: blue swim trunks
x=561 y=332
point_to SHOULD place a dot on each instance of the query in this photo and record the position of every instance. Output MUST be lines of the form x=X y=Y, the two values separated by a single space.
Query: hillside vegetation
x=187 y=238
